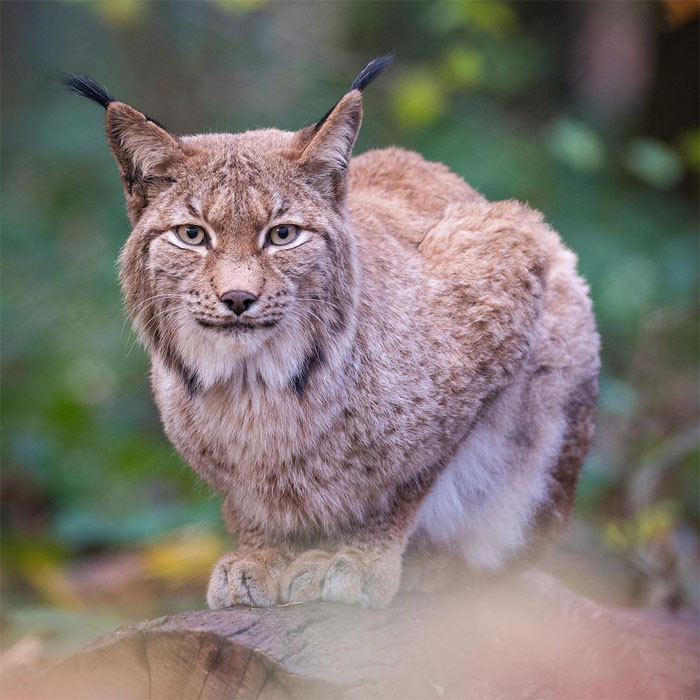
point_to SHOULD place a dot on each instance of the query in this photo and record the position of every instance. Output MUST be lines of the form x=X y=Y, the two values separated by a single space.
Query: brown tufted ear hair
x=326 y=156
x=325 y=148
x=142 y=148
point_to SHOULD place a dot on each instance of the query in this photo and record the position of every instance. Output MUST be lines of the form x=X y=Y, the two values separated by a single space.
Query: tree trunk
x=529 y=638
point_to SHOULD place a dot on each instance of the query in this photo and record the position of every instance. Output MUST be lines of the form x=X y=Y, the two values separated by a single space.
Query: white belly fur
x=484 y=502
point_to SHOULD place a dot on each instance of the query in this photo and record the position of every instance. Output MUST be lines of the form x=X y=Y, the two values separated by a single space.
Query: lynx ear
x=142 y=148
x=326 y=156
x=327 y=146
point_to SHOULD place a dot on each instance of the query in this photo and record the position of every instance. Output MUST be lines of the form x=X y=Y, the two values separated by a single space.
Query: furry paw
x=242 y=580
x=349 y=576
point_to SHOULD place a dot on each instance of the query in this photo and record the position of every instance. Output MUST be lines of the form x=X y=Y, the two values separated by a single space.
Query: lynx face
x=240 y=260
x=237 y=256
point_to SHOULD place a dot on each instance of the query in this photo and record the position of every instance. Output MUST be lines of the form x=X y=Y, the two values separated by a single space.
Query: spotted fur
x=421 y=368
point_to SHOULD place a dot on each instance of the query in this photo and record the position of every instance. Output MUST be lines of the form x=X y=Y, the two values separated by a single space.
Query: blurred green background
x=586 y=110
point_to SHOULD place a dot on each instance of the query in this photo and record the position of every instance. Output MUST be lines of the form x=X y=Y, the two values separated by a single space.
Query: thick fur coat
x=418 y=366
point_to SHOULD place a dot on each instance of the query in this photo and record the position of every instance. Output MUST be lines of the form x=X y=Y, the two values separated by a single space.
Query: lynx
x=364 y=356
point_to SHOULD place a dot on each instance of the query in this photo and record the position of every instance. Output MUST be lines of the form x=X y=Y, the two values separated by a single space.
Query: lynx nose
x=238 y=301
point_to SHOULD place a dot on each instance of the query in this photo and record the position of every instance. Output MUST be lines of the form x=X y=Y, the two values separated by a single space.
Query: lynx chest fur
x=357 y=354
x=380 y=396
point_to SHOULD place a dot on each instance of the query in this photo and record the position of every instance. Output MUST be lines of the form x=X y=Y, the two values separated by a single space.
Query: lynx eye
x=191 y=234
x=283 y=234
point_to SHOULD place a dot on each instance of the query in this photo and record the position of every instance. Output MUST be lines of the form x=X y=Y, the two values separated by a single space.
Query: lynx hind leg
x=556 y=511
x=245 y=578
x=511 y=484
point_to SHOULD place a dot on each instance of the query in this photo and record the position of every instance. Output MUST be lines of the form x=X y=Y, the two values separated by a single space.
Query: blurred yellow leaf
x=644 y=529
x=491 y=17
x=417 y=100
x=120 y=13
x=463 y=67
x=40 y=564
x=240 y=6
x=690 y=148
x=654 y=522
x=190 y=554
x=51 y=582
x=615 y=537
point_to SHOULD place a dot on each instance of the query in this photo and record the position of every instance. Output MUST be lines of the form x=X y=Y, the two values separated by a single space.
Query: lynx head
x=240 y=254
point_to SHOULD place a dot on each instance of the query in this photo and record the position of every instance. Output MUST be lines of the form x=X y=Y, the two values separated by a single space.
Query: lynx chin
x=365 y=357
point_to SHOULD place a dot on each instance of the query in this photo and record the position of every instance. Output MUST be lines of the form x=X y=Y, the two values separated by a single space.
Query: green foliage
x=417 y=100
x=576 y=145
x=690 y=148
x=654 y=163
x=462 y=67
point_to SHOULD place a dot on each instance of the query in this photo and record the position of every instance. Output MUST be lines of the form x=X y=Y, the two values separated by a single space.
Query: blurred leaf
x=615 y=536
x=462 y=67
x=120 y=13
x=188 y=553
x=495 y=18
x=654 y=163
x=523 y=67
x=644 y=529
x=491 y=17
x=690 y=149
x=240 y=7
x=576 y=144
x=417 y=100
x=655 y=521
x=51 y=582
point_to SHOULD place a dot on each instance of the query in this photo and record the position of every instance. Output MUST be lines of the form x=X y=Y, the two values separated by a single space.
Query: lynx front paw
x=349 y=576
x=242 y=580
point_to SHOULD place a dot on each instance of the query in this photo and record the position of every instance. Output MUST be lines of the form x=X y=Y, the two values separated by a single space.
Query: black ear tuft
x=370 y=72
x=82 y=86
